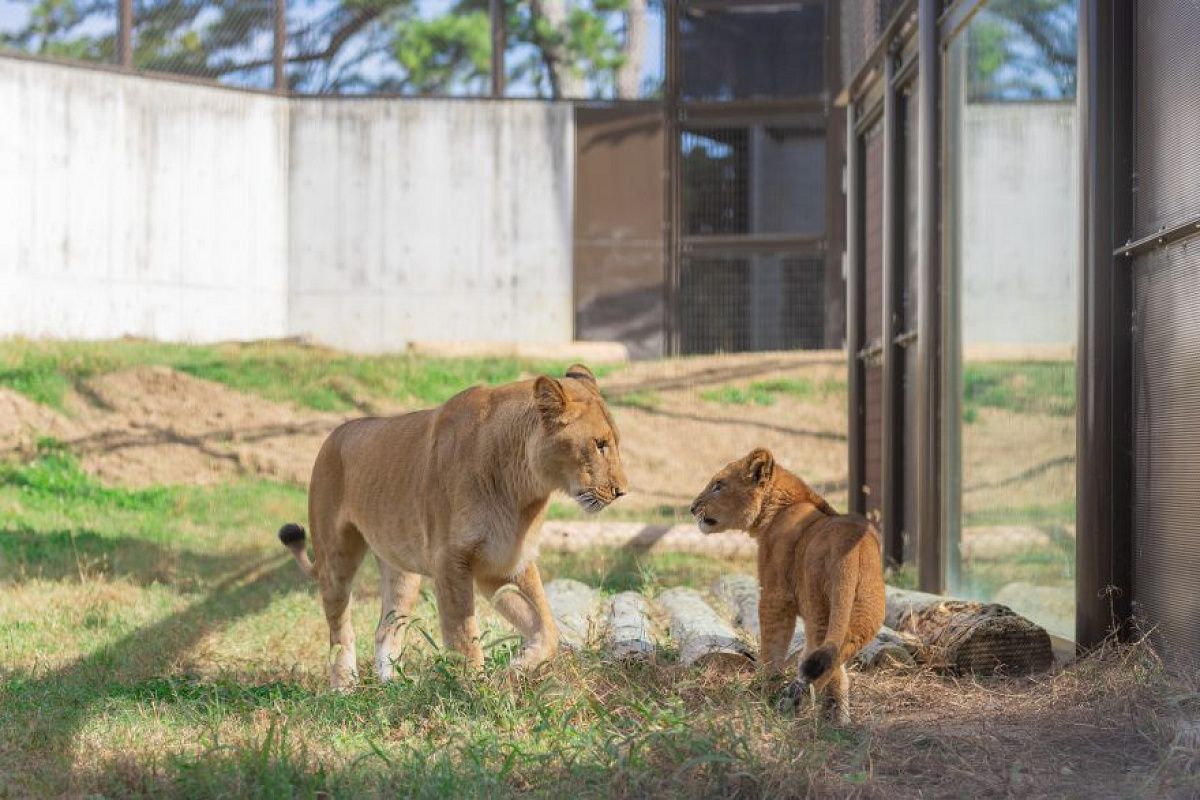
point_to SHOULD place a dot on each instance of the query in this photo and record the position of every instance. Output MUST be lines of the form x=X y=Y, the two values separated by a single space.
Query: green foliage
x=441 y=54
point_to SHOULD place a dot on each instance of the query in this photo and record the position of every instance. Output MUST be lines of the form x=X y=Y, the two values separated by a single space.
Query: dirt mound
x=153 y=425
x=22 y=421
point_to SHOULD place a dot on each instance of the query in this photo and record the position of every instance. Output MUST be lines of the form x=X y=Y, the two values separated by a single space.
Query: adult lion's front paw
x=532 y=658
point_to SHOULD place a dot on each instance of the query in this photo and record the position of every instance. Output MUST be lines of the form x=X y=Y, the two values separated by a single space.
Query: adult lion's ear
x=580 y=372
x=760 y=465
x=550 y=398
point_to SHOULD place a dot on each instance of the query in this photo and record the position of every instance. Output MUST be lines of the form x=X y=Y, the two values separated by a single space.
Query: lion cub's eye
x=602 y=445
x=717 y=487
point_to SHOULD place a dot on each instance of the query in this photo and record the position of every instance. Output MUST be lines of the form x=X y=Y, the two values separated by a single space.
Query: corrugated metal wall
x=1166 y=339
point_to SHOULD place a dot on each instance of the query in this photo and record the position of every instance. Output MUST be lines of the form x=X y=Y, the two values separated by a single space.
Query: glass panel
x=1012 y=194
x=74 y=30
x=1022 y=50
x=760 y=50
x=749 y=303
x=760 y=179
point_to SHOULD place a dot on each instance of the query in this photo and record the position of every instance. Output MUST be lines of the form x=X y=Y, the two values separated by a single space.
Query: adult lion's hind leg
x=528 y=612
x=398 y=591
x=340 y=556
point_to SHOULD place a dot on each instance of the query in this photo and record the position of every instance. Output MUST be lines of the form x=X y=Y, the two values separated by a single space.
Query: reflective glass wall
x=1011 y=248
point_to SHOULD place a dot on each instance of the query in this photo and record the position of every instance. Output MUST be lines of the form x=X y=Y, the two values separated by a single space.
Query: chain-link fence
x=578 y=49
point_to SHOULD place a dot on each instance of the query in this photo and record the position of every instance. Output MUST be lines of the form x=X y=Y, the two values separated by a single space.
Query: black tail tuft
x=818 y=663
x=292 y=535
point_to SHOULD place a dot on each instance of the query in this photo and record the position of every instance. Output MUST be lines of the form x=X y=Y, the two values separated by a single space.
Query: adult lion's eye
x=717 y=487
x=602 y=445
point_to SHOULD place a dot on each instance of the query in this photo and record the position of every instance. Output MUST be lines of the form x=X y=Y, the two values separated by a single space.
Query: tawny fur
x=812 y=562
x=458 y=493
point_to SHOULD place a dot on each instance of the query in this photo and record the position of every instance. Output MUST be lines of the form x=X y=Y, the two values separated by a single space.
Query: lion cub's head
x=733 y=498
x=580 y=450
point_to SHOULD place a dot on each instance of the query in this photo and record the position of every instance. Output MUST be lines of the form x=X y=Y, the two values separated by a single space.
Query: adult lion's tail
x=293 y=538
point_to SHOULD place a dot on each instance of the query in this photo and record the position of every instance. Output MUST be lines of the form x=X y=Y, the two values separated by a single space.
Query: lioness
x=457 y=492
x=811 y=560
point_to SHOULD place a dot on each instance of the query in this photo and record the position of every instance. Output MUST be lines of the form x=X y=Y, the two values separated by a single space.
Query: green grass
x=1042 y=387
x=45 y=371
x=766 y=393
x=160 y=641
x=646 y=400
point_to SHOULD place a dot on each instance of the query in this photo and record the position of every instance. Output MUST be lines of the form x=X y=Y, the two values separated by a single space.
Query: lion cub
x=826 y=567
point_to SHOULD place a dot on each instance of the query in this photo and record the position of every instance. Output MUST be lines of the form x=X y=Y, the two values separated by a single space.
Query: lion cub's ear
x=760 y=465
x=580 y=372
x=551 y=399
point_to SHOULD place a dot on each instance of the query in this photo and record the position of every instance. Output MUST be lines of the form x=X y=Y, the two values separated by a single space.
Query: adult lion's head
x=580 y=447
x=733 y=498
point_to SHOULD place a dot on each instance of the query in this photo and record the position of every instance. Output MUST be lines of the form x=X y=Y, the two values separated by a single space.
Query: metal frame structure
x=683 y=115
x=1105 y=411
x=1104 y=582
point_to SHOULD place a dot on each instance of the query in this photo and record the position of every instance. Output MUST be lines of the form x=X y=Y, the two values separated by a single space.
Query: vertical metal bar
x=125 y=33
x=1104 y=484
x=855 y=306
x=930 y=564
x=496 y=12
x=278 y=59
x=672 y=234
x=835 y=198
x=892 y=443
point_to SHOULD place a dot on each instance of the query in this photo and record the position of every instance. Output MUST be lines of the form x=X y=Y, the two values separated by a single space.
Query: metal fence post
x=496 y=11
x=125 y=33
x=280 y=81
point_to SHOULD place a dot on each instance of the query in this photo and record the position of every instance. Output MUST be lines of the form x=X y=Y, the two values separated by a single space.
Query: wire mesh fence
x=569 y=49
x=753 y=302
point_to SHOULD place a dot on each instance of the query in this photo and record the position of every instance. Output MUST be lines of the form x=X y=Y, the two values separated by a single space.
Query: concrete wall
x=136 y=206
x=142 y=207
x=435 y=220
x=1020 y=241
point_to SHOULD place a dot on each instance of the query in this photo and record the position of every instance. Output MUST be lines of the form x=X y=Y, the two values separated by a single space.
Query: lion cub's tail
x=847 y=632
x=293 y=538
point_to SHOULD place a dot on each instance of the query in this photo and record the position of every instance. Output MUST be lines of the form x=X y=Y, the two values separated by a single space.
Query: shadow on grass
x=77 y=555
x=41 y=714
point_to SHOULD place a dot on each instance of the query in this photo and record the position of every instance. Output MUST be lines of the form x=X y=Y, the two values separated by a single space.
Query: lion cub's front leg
x=528 y=612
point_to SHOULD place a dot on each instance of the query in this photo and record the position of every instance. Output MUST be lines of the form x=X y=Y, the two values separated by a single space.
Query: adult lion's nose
x=618 y=491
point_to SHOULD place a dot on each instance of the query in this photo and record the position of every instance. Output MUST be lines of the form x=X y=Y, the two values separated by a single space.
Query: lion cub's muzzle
x=704 y=522
x=597 y=499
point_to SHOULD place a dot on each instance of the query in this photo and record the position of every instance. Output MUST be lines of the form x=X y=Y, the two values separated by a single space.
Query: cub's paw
x=796 y=693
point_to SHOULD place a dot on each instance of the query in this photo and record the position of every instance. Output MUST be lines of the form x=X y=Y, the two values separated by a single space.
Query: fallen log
x=627 y=628
x=573 y=605
x=968 y=635
x=739 y=593
x=702 y=636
